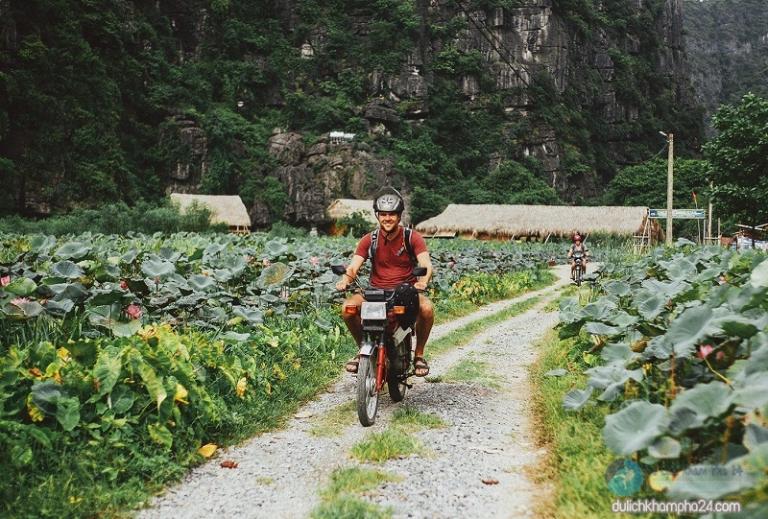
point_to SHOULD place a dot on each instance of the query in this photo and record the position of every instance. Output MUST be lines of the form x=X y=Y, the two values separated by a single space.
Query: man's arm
x=424 y=260
x=351 y=274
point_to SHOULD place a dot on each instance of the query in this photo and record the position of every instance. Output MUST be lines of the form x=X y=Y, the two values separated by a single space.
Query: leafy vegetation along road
x=462 y=434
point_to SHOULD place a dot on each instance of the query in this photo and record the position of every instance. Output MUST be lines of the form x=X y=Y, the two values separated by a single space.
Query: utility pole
x=670 y=184
x=709 y=212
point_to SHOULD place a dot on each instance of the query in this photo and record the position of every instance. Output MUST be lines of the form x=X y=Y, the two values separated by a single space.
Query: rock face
x=727 y=46
x=316 y=175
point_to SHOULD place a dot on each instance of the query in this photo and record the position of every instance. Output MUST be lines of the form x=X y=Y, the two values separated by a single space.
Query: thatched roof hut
x=225 y=209
x=535 y=221
x=344 y=207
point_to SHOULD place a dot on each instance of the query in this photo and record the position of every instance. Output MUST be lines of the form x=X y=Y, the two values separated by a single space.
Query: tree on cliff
x=739 y=160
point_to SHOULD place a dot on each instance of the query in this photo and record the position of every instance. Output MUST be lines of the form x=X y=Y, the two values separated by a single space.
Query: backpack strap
x=407 y=233
x=372 y=247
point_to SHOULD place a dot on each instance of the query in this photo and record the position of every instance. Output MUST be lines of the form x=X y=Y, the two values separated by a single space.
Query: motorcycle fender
x=400 y=334
x=366 y=349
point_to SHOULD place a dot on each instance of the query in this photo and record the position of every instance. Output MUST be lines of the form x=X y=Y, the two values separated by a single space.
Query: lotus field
x=676 y=345
x=125 y=359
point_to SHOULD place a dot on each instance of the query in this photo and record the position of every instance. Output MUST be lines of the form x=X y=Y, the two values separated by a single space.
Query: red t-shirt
x=393 y=264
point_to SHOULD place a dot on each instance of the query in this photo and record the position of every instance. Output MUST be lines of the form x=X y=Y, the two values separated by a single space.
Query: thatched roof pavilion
x=225 y=209
x=344 y=207
x=490 y=221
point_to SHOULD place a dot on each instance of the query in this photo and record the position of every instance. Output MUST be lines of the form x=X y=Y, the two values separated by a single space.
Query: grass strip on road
x=467 y=332
x=340 y=500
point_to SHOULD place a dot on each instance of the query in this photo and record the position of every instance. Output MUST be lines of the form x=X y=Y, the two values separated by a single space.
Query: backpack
x=406 y=244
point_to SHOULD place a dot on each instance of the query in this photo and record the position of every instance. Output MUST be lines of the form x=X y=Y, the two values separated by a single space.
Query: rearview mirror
x=419 y=271
x=338 y=269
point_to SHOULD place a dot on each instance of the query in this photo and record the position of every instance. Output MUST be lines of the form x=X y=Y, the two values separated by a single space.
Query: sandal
x=351 y=365
x=419 y=365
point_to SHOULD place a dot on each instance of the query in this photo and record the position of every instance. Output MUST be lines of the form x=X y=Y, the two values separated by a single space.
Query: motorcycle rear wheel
x=367 y=396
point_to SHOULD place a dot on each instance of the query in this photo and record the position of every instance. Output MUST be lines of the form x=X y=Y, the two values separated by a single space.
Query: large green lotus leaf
x=201 y=283
x=600 y=310
x=635 y=427
x=59 y=308
x=754 y=435
x=604 y=376
x=68 y=412
x=617 y=288
x=665 y=447
x=650 y=305
x=40 y=244
x=252 y=315
x=157 y=268
x=68 y=291
x=752 y=391
x=570 y=311
x=275 y=274
x=125 y=328
x=658 y=348
x=709 y=482
x=275 y=248
x=759 y=275
x=622 y=319
x=575 y=399
x=222 y=275
x=21 y=287
x=667 y=290
x=738 y=326
x=72 y=250
x=679 y=269
x=619 y=353
x=107 y=297
x=46 y=395
x=597 y=328
x=109 y=316
x=66 y=269
x=106 y=272
x=23 y=310
x=705 y=400
x=690 y=327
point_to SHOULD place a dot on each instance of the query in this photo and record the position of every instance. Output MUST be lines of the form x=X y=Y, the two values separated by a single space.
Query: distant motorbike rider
x=578 y=246
x=395 y=251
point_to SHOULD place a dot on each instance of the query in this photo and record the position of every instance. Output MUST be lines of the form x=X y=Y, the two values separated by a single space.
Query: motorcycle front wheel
x=367 y=396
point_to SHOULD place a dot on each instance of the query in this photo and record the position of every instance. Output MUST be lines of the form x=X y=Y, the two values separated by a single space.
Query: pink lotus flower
x=123 y=284
x=19 y=301
x=314 y=261
x=133 y=311
x=705 y=350
x=719 y=356
x=266 y=262
x=5 y=281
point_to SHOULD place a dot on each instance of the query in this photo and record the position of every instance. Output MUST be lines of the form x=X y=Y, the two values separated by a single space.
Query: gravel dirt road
x=488 y=437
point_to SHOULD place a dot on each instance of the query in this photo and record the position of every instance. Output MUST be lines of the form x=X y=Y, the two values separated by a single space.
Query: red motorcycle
x=388 y=318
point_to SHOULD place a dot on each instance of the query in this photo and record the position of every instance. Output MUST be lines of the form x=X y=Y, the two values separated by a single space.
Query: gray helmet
x=388 y=200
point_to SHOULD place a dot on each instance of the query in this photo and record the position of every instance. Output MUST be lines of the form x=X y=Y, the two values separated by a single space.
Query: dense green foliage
x=97 y=98
x=117 y=218
x=646 y=184
x=676 y=346
x=739 y=158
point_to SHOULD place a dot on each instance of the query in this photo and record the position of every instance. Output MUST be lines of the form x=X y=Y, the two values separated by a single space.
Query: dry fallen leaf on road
x=207 y=450
x=228 y=464
x=490 y=481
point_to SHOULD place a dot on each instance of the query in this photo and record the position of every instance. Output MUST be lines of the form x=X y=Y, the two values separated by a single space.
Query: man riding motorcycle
x=392 y=263
x=577 y=246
